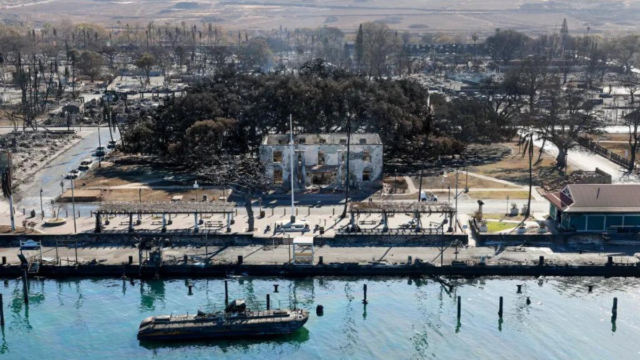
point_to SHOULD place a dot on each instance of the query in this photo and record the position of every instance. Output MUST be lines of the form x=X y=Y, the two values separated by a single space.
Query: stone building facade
x=320 y=160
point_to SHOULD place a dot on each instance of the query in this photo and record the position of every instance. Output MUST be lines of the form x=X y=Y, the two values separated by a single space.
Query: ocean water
x=404 y=319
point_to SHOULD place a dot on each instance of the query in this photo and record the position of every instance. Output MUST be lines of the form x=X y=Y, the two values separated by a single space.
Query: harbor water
x=404 y=319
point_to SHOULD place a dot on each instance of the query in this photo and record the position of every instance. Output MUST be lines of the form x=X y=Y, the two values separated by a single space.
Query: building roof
x=597 y=198
x=323 y=139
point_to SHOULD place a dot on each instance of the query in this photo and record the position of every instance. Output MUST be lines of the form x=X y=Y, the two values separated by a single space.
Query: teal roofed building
x=596 y=207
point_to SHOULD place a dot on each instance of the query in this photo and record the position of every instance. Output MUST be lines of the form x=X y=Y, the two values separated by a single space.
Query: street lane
x=48 y=179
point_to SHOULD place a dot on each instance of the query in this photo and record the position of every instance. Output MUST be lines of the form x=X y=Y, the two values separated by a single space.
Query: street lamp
x=140 y=198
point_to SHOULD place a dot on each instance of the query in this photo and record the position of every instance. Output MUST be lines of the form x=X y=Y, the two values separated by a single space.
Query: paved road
x=48 y=179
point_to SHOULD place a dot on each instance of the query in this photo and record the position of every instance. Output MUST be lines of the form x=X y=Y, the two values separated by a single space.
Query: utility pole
x=455 y=221
x=73 y=204
x=100 y=148
x=426 y=138
x=346 y=197
x=291 y=149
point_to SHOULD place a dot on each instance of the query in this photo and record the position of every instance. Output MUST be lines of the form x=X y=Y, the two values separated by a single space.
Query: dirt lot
x=515 y=168
x=123 y=183
x=111 y=175
x=436 y=182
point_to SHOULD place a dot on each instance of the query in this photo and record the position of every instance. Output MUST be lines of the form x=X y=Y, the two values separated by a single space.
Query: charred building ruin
x=320 y=160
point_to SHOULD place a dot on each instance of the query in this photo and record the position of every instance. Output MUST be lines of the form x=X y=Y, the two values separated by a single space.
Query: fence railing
x=601 y=150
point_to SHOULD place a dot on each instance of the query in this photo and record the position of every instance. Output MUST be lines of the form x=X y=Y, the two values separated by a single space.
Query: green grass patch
x=495 y=226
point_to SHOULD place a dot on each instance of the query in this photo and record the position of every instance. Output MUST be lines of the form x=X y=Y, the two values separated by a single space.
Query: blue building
x=597 y=207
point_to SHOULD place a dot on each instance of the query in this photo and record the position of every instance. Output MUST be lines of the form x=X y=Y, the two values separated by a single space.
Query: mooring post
x=541 y=262
x=459 y=307
x=240 y=259
x=190 y=286
x=1 y=311
x=519 y=289
x=25 y=286
x=614 y=309
x=226 y=293
x=4 y=260
x=268 y=302
x=500 y=311
x=275 y=288
x=130 y=259
x=528 y=301
x=590 y=288
x=364 y=301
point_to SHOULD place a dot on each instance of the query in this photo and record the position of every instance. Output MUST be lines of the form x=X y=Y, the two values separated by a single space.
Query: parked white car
x=428 y=196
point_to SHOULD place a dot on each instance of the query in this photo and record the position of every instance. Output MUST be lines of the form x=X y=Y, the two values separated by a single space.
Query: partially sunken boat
x=236 y=320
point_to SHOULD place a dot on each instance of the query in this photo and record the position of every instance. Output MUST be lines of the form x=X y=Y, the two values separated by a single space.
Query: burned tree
x=632 y=120
x=244 y=175
x=568 y=115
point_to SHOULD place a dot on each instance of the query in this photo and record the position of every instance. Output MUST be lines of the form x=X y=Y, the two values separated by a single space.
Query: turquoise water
x=405 y=319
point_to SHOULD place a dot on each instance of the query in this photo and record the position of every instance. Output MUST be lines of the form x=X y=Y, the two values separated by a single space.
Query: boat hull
x=215 y=329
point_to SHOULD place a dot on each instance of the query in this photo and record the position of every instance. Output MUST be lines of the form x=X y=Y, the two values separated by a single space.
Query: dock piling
x=590 y=288
x=268 y=302
x=240 y=259
x=364 y=301
x=226 y=293
x=25 y=285
x=519 y=289
x=319 y=310
x=190 y=286
x=275 y=288
x=528 y=301
x=1 y=311
x=500 y=310
x=459 y=307
x=614 y=309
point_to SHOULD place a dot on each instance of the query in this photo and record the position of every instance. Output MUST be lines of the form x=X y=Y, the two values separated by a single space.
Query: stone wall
x=409 y=240
x=126 y=239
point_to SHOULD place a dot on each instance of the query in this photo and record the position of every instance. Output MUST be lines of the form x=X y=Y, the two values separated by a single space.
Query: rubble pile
x=30 y=150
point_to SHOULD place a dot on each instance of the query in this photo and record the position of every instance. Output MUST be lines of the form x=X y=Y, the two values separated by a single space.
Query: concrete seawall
x=217 y=239
x=346 y=269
